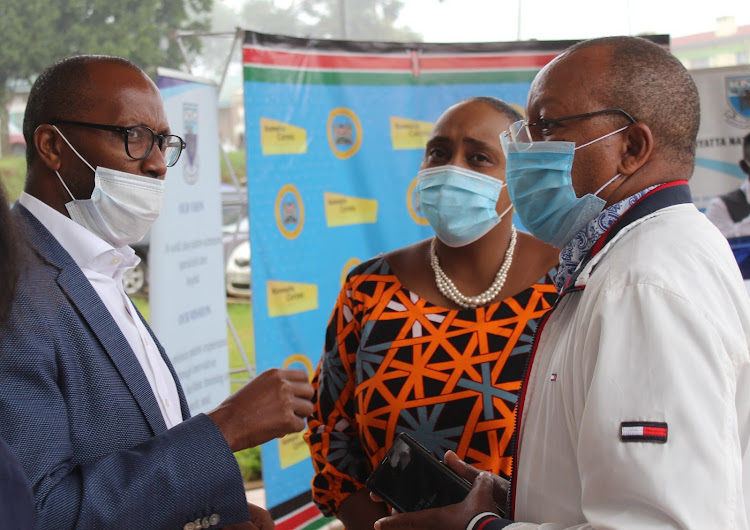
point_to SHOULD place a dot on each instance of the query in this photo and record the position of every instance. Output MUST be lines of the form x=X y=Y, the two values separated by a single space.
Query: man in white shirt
x=635 y=410
x=89 y=400
x=731 y=212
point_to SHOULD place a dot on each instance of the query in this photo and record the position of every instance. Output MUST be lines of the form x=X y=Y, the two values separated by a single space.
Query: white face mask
x=122 y=207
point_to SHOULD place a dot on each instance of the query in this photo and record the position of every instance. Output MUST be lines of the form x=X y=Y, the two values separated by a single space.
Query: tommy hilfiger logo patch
x=553 y=377
x=643 y=431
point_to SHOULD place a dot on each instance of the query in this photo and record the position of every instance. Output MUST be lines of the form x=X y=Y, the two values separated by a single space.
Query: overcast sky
x=497 y=20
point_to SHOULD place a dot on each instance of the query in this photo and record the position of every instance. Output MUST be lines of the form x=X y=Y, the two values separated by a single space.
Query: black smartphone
x=410 y=478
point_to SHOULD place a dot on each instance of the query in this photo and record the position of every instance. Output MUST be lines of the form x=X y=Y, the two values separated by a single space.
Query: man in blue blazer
x=16 y=500
x=88 y=398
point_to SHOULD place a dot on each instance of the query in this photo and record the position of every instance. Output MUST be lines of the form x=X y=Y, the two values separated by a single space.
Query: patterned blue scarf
x=577 y=247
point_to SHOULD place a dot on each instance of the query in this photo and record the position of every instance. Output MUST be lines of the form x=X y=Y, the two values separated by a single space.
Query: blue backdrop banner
x=335 y=134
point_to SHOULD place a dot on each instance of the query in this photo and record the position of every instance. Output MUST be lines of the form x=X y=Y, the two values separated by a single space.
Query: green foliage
x=259 y=15
x=250 y=464
x=36 y=33
x=12 y=176
x=338 y=19
x=237 y=159
x=362 y=20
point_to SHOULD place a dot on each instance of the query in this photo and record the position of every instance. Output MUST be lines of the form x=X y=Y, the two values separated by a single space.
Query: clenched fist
x=275 y=403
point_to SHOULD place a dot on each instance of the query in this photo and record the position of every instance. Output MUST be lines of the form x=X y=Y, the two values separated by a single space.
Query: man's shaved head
x=61 y=92
x=654 y=87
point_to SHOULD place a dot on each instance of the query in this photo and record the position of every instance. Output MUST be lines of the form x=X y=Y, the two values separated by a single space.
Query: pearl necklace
x=451 y=292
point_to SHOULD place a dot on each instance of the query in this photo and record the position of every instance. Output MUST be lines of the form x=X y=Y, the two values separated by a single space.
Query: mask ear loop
x=601 y=137
x=610 y=181
x=64 y=185
x=509 y=208
x=77 y=154
x=73 y=148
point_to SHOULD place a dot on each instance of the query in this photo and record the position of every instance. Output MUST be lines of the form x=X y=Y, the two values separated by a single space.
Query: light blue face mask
x=541 y=189
x=458 y=203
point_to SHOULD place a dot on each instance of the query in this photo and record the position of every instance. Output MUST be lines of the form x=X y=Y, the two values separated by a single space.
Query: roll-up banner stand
x=186 y=263
x=725 y=121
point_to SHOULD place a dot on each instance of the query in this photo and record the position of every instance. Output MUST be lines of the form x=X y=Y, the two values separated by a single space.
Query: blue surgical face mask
x=541 y=189
x=458 y=203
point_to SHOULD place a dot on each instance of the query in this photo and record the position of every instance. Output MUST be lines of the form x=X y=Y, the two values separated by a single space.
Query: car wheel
x=134 y=280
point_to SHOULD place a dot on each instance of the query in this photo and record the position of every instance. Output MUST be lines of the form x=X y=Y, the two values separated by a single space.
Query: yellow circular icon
x=303 y=360
x=344 y=132
x=411 y=204
x=350 y=263
x=290 y=211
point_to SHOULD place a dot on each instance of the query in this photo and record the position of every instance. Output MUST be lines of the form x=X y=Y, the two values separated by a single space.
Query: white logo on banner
x=190 y=121
x=738 y=97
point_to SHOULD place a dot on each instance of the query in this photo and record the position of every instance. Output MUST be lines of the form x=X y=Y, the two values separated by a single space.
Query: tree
x=322 y=19
x=259 y=15
x=38 y=32
x=363 y=19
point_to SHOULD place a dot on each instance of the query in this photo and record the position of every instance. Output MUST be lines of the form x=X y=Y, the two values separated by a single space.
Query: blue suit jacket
x=77 y=409
x=16 y=502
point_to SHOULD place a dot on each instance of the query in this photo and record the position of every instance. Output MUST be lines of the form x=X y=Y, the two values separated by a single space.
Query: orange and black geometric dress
x=394 y=362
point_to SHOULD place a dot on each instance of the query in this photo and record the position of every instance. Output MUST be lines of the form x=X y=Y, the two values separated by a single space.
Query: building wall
x=727 y=45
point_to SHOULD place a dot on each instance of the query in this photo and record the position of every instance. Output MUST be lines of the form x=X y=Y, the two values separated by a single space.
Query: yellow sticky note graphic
x=409 y=134
x=342 y=210
x=292 y=449
x=287 y=298
x=279 y=138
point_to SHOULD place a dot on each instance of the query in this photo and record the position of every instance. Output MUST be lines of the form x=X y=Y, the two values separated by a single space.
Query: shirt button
x=189 y=526
x=115 y=261
x=214 y=519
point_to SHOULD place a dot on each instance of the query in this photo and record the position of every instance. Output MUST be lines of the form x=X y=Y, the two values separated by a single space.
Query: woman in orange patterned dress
x=432 y=339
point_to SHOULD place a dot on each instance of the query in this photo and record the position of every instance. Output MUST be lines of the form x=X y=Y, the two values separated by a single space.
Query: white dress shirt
x=104 y=266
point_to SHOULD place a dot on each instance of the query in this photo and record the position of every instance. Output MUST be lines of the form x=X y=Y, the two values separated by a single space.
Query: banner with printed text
x=185 y=259
x=725 y=121
x=335 y=134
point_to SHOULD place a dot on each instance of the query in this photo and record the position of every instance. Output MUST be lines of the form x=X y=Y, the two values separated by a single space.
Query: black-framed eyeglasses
x=546 y=123
x=519 y=133
x=139 y=140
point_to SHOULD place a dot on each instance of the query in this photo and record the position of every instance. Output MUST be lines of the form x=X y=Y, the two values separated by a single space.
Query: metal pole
x=237 y=36
x=184 y=53
x=518 y=21
x=342 y=17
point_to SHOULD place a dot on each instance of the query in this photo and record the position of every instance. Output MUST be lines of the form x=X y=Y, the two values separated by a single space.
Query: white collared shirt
x=104 y=266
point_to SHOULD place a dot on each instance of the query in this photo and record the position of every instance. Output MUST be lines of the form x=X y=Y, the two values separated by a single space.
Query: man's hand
x=500 y=485
x=456 y=516
x=275 y=403
x=260 y=519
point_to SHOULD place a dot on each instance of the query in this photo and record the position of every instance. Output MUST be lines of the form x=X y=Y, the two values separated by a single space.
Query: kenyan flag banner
x=335 y=134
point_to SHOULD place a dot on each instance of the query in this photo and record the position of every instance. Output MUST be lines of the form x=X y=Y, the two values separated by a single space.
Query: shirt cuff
x=480 y=520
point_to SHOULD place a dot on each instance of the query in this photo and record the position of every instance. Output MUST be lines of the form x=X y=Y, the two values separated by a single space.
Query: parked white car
x=235 y=229
x=238 y=271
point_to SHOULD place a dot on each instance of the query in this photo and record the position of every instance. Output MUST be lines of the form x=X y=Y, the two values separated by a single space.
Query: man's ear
x=48 y=146
x=745 y=167
x=639 y=143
